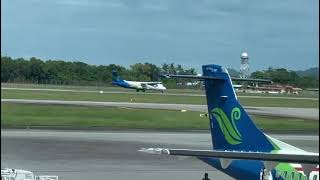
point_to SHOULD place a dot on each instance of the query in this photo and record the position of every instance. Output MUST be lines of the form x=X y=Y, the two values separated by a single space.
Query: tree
x=284 y=76
x=36 y=70
x=80 y=73
x=258 y=75
x=165 y=68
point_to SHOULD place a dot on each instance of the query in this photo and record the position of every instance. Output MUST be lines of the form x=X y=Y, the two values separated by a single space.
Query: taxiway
x=74 y=155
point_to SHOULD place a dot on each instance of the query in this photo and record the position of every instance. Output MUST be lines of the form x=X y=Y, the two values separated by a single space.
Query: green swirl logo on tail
x=228 y=128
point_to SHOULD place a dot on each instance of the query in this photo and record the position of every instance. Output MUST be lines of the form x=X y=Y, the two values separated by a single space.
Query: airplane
x=240 y=149
x=143 y=86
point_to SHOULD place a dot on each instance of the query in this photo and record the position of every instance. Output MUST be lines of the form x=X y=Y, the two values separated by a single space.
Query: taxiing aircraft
x=240 y=149
x=143 y=86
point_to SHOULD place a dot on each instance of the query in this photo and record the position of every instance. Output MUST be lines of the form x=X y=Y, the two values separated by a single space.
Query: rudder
x=230 y=125
x=115 y=76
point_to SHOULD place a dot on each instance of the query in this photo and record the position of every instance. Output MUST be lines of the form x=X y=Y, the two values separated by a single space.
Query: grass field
x=104 y=88
x=53 y=116
x=310 y=94
x=152 y=98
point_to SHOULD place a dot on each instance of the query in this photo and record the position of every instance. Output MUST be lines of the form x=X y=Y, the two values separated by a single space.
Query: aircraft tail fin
x=231 y=127
x=115 y=76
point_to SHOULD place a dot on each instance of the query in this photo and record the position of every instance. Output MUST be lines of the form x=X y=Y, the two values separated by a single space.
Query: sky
x=275 y=33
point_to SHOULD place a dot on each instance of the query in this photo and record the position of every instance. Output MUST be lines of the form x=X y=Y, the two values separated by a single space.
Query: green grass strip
x=151 y=98
x=14 y=115
x=311 y=94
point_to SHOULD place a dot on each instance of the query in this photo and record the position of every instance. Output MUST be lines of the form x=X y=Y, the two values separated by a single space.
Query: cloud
x=186 y=30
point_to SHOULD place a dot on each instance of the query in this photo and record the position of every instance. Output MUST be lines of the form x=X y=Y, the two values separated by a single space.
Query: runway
x=74 y=155
x=150 y=93
x=303 y=113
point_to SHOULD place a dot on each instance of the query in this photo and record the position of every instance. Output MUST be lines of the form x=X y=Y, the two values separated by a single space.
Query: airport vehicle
x=143 y=86
x=19 y=174
x=240 y=149
x=46 y=177
x=16 y=174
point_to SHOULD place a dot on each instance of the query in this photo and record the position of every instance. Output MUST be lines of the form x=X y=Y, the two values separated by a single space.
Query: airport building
x=279 y=89
x=269 y=89
x=263 y=88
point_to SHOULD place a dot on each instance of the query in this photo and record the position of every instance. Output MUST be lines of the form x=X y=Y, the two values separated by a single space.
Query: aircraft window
x=284 y=174
x=315 y=177
x=305 y=177
x=29 y=176
x=301 y=176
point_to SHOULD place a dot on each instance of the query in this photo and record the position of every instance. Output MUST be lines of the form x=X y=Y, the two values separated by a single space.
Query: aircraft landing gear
x=206 y=177
x=137 y=90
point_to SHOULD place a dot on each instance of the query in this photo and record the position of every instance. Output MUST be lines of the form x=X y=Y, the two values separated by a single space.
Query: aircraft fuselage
x=140 y=85
x=252 y=169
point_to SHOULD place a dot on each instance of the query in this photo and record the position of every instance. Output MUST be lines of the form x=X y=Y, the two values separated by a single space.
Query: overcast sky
x=276 y=33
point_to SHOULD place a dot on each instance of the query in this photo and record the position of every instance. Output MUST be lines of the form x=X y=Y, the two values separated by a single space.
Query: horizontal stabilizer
x=289 y=158
x=193 y=77
x=251 y=80
x=215 y=78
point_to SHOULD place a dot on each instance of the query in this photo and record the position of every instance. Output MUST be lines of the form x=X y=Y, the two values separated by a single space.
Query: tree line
x=35 y=70
x=284 y=76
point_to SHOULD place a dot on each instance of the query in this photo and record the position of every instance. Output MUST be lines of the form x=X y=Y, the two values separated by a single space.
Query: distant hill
x=311 y=72
x=233 y=72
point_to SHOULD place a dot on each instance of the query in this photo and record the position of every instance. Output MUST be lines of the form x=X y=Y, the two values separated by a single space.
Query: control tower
x=244 y=67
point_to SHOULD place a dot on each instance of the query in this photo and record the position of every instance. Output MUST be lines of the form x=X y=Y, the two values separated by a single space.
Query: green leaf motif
x=235 y=115
x=228 y=128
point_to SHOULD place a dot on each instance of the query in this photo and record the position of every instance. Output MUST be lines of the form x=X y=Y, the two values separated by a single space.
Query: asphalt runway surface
x=304 y=113
x=114 y=155
x=149 y=93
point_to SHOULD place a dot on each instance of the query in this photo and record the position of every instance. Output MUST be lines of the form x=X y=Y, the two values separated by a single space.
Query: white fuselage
x=146 y=85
